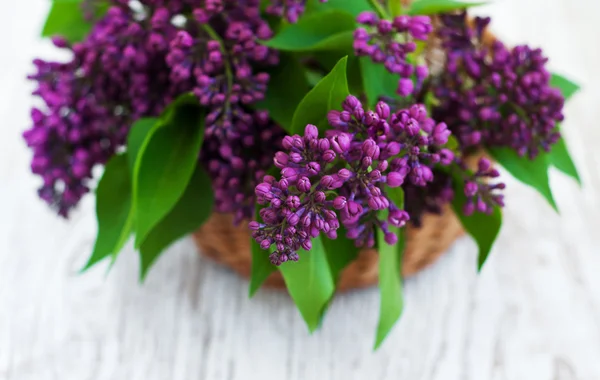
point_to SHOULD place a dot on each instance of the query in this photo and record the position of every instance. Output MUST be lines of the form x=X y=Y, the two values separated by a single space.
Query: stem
x=381 y=12
x=228 y=72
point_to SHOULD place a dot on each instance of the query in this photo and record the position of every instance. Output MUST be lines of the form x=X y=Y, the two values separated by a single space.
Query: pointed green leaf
x=310 y=283
x=566 y=87
x=483 y=228
x=327 y=30
x=327 y=61
x=193 y=208
x=313 y=77
x=396 y=195
x=377 y=81
x=287 y=86
x=429 y=7
x=395 y=8
x=560 y=158
x=66 y=19
x=354 y=7
x=136 y=137
x=165 y=164
x=328 y=94
x=531 y=172
x=354 y=75
x=261 y=267
x=340 y=253
x=390 y=283
x=113 y=205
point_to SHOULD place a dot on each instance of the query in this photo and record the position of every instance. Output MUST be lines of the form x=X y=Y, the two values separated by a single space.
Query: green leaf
x=452 y=143
x=340 y=253
x=390 y=284
x=310 y=283
x=429 y=7
x=377 y=81
x=287 y=86
x=327 y=30
x=565 y=86
x=396 y=195
x=190 y=212
x=354 y=7
x=531 y=172
x=66 y=19
x=313 y=77
x=395 y=7
x=113 y=205
x=261 y=267
x=560 y=158
x=164 y=166
x=327 y=61
x=328 y=94
x=136 y=137
x=482 y=227
x=354 y=75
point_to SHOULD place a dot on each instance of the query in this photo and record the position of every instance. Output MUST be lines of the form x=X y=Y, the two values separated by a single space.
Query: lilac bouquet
x=328 y=125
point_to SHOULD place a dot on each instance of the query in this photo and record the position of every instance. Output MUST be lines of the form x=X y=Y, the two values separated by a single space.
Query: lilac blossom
x=494 y=96
x=218 y=56
x=117 y=75
x=344 y=178
x=132 y=65
x=290 y=9
x=390 y=42
x=237 y=167
x=483 y=196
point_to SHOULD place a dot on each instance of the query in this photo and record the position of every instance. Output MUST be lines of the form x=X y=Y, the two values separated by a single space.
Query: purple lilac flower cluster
x=117 y=75
x=236 y=168
x=217 y=54
x=291 y=9
x=483 y=196
x=133 y=64
x=494 y=96
x=344 y=177
x=390 y=43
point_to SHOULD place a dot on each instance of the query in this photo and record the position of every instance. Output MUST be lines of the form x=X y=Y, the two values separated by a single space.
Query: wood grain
x=533 y=312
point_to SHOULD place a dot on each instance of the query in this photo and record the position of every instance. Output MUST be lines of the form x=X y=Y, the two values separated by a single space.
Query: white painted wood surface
x=533 y=313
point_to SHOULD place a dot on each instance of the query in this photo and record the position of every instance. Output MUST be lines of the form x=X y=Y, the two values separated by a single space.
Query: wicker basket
x=229 y=245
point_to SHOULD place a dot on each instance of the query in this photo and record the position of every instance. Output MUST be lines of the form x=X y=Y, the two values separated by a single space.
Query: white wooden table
x=533 y=313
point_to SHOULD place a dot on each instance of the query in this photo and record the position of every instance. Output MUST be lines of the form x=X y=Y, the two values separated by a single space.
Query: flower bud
x=265 y=244
x=306 y=245
x=340 y=143
x=391 y=238
x=293 y=219
x=281 y=160
x=344 y=174
x=311 y=131
x=329 y=156
x=304 y=185
x=340 y=203
x=395 y=179
x=470 y=189
x=405 y=87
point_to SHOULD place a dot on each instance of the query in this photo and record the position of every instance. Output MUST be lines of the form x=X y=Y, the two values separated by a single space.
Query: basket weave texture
x=229 y=245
